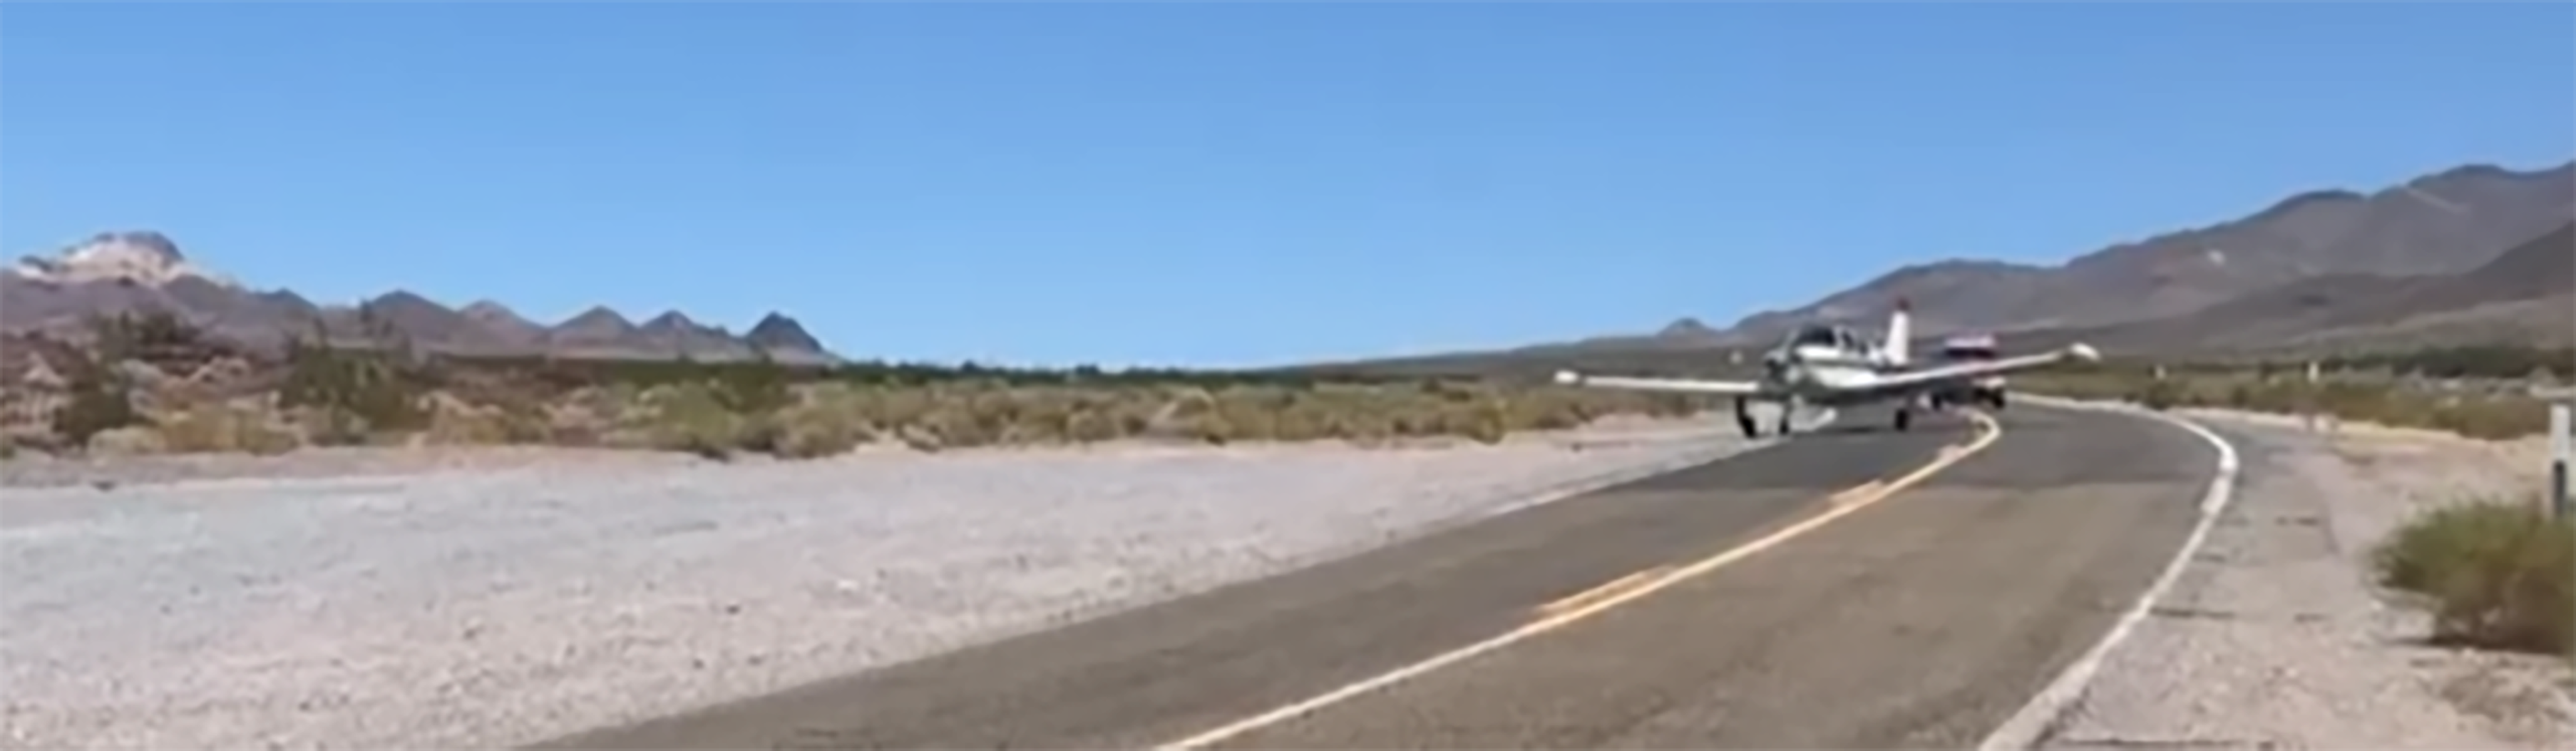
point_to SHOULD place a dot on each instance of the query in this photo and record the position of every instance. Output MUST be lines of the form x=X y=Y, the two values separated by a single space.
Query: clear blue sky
x=1220 y=184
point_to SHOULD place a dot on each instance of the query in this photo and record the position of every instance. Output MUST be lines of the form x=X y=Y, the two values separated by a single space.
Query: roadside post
x=2562 y=442
x=2558 y=440
x=2309 y=401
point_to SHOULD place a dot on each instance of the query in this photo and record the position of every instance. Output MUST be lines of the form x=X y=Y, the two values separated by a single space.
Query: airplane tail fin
x=1900 y=331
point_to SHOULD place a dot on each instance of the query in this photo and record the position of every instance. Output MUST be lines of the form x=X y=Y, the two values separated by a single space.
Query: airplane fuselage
x=1828 y=376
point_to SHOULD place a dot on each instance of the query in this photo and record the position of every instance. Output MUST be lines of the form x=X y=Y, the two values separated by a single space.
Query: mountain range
x=2443 y=223
x=117 y=272
x=2470 y=255
x=2477 y=254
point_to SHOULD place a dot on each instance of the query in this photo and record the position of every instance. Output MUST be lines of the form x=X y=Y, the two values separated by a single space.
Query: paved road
x=1922 y=621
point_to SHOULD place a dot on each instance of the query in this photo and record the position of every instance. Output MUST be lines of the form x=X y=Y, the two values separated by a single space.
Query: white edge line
x=2046 y=710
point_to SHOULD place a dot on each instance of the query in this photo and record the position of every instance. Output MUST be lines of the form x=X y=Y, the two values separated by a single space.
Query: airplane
x=1834 y=366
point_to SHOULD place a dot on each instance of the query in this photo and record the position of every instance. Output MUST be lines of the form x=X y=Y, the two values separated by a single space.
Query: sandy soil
x=382 y=599
x=2276 y=637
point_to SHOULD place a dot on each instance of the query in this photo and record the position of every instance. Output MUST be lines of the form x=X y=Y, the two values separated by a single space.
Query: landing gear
x=1744 y=417
x=1904 y=416
x=1996 y=398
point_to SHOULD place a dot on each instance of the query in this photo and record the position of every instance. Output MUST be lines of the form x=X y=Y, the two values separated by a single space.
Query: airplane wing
x=1887 y=384
x=1684 y=385
x=1970 y=371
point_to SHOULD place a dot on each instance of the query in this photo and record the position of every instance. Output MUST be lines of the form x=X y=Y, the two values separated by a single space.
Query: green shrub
x=356 y=393
x=690 y=417
x=99 y=399
x=2494 y=574
x=2161 y=394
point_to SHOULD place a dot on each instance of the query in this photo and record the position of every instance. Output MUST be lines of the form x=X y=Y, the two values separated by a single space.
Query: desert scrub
x=2491 y=417
x=457 y=422
x=355 y=393
x=2493 y=573
x=100 y=399
x=824 y=420
x=222 y=427
x=690 y=417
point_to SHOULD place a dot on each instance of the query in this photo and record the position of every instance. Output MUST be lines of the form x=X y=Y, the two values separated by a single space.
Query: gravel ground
x=495 y=602
x=2276 y=638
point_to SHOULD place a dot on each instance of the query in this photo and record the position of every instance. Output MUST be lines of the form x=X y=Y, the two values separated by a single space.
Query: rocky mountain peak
x=1687 y=328
x=492 y=312
x=776 y=331
x=115 y=272
x=141 y=257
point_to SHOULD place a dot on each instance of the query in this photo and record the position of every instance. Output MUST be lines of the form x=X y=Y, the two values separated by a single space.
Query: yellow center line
x=1600 y=599
x=1614 y=586
x=1863 y=493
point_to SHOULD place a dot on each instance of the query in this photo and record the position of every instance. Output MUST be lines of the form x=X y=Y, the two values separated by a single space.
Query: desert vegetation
x=2494 y=573
x=150 y=383
x=2478 y=392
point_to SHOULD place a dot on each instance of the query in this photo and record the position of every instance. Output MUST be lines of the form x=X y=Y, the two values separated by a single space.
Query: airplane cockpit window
x=1816 y=336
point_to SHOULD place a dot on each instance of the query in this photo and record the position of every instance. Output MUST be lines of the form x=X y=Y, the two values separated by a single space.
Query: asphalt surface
x=1922 y=621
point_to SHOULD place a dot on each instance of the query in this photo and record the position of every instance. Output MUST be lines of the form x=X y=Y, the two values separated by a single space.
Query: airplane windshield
x=1815 y=336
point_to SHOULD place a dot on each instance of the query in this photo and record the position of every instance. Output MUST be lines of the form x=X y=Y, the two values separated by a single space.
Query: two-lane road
x=1922 y=619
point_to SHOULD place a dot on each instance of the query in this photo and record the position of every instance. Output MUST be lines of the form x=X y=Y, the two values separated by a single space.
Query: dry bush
x=830 y=418
x=356 y=397
x=827 y=420
x=226 y=427
x=100 y=398
x=685 y=417
x=2493 y=573
x=366 y=397
x=130 y=440
x=455 y=422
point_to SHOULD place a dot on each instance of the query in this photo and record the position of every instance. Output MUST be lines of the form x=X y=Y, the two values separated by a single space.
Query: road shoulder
x=2275 y=636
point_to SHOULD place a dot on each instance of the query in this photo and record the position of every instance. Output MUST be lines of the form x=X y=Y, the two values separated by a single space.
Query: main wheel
x=1904 y=418
x=1744 y=420
x=1998 y=399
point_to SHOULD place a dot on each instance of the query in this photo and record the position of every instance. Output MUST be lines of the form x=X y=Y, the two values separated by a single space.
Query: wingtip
x=2085 y=352
x=1568 y=377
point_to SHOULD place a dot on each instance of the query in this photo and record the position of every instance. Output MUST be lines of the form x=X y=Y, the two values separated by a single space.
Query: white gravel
x=495 y=607
x=2275 y=636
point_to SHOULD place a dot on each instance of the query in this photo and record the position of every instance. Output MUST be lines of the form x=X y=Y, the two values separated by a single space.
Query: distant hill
x=2443 y=223
x=139 y=271
x=2525 y=296
x=2471 y=255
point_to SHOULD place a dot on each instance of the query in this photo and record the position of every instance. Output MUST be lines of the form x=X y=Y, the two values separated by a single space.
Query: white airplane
x=1834 y=366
